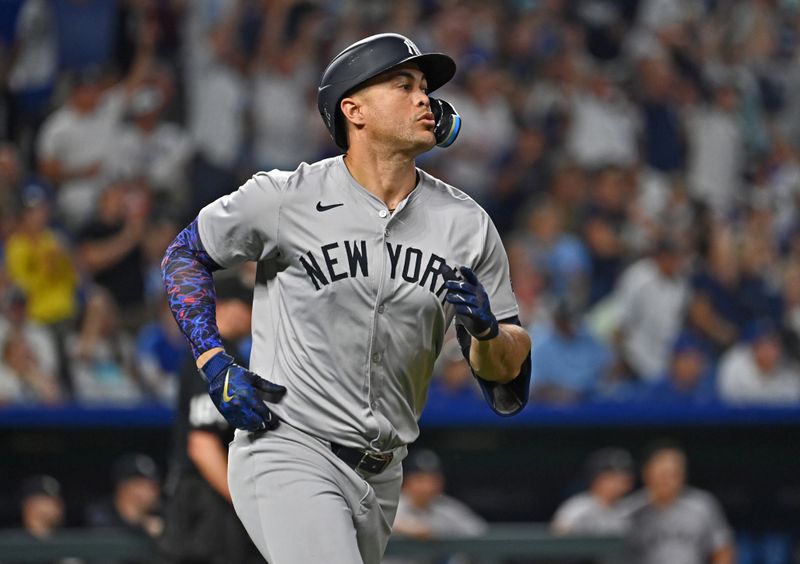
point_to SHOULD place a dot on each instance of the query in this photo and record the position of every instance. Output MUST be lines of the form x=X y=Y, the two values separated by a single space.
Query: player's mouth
x=427 y=117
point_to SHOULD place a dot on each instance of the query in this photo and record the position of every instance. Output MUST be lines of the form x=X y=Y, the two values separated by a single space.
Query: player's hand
x=471 y=301
x=239 y=394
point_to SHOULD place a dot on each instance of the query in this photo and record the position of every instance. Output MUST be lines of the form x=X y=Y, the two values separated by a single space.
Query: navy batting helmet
x=366 y=59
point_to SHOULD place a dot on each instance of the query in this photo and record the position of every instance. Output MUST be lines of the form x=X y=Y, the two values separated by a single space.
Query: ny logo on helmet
x=411 y=47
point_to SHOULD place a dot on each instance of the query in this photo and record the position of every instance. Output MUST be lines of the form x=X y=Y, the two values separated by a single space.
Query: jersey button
x=383 y=213
x=376 y=357
x=374 y=405
x=381 y=308
x=386 y=233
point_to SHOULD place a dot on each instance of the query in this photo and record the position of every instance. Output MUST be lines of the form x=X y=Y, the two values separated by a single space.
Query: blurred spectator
x=424 y=510
x=12 y=179
x=716 y=148
x=40 y=263
x=671 y=522
x=603 y=124
x=201 y=525
x=650 y=299
x=161 y=350
x=32 y=72
x=568 y=362
x=483 y=101
x=215 y=89
x=725 y=296
x=76 y=141
x=102 y=357
x=284 y=71
x=522 y=174
x=663 y=135
x=110 y=248
x=42 y=506
x=560 y=257
x=29 y=364
x=757 y=371
x=688 y=378
x=597 y=511
x=135 y=502
x=605 y=219
x=85 y=31
x=153 y=150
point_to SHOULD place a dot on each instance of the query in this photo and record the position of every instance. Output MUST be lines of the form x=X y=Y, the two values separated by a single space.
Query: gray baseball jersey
x=689 y=531
x=348 y=309
x=585 y=514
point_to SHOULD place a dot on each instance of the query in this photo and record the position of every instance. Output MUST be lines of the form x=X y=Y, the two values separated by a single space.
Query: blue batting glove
x=471 y=302
x=239 y=394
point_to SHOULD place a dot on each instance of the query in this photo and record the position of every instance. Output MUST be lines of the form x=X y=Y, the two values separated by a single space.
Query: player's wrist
x=490 y=332
x=213 y=366
x=204 y=357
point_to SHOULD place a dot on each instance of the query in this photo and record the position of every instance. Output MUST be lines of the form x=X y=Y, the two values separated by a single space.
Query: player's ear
x=352 y=109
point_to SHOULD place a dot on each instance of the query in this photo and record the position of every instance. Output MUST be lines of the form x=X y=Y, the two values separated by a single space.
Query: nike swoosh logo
x=225 y=396
x=321 y=208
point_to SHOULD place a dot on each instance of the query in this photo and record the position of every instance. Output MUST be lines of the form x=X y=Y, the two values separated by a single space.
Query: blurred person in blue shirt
x=560 y=257
x=568 y=361
x=729 y=292
x=689 y=380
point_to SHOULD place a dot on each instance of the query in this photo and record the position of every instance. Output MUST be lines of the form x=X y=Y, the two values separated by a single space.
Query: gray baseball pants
x=302 y=505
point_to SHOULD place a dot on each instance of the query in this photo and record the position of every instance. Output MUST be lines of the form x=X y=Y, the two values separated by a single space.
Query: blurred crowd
x=640 y=159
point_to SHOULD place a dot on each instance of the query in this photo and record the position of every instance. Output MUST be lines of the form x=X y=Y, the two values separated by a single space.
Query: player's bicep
x=243 y=225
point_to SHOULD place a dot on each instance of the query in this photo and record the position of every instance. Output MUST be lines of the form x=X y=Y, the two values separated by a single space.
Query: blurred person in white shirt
x=597 y=511
x=153 y=149
x=75 y=143
x=650 y=299
x=757 y=371
x=425 y=511
x=716 y=148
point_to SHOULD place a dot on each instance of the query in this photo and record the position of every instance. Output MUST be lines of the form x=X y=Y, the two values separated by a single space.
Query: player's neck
x=390 y=177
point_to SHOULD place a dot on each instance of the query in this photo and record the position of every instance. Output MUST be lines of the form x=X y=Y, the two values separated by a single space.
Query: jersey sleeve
x=244 y=225
x=719 y=532
x=493 y=272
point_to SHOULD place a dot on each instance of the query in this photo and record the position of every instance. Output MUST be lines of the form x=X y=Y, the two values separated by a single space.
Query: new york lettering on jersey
x=348 y=259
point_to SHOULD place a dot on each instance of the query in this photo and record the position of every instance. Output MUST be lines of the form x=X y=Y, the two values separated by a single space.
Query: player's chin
x=426 y=140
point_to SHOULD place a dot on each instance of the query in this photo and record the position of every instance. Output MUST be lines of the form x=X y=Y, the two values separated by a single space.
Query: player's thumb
x=271 y=392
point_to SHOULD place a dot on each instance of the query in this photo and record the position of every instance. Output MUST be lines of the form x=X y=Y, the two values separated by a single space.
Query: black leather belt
x=363 y=460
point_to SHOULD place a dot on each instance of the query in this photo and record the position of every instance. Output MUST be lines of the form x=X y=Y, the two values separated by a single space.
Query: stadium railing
x=525 y=540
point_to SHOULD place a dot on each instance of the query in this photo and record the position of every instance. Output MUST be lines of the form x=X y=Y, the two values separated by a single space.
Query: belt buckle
x=378 y=461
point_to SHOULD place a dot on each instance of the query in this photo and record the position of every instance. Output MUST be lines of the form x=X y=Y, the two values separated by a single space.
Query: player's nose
x=422 y=99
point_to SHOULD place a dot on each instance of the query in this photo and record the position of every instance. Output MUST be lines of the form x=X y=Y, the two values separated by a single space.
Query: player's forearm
x=205 y=450
x=186 y=270
x=500 y=359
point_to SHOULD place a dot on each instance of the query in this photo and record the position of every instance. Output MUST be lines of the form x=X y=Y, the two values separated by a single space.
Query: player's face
x=396 y=110
x=665 y=475
x=423 y=487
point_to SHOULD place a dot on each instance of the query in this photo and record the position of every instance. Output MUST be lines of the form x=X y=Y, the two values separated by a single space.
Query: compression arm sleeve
x=504 y=399
x=186 y=270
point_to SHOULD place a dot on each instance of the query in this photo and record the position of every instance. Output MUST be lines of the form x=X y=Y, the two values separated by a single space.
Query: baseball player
x=363 y=261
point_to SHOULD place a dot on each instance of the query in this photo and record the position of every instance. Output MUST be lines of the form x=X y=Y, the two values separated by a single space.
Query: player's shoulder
x=440 y=193
x=698 y=498
x=635 y=503
x=574 y=506
x=291 y=180
x=60 y=120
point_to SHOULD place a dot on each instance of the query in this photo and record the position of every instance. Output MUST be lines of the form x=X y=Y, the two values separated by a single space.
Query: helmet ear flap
x=448 y=122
